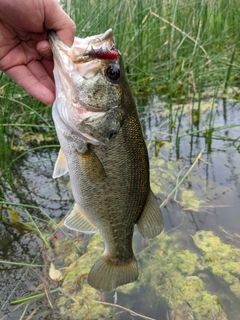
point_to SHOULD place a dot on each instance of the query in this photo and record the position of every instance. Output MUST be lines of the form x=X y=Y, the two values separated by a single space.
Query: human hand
x=25 y=53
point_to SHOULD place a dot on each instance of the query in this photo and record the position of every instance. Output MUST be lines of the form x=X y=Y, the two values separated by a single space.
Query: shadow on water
x=202 y=215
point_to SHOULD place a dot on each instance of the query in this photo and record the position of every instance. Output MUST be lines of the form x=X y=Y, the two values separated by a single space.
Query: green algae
x=80 y=268
x=162 y=175
x=184 y=292
x=82 y=305
x=221 y=258
x=63 y=252
x=193 y=194
x=174 y=270
x=176 y=276
x=190 y=200
x=163 y=181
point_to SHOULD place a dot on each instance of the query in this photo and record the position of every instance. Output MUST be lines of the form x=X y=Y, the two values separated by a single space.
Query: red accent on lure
x=103 y=54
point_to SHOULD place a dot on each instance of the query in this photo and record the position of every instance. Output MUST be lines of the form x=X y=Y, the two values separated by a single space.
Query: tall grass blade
x=229 y=70
x=32 y=297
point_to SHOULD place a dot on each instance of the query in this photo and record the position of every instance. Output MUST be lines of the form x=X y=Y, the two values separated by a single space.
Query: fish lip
x=59 y=49
x=55 y=41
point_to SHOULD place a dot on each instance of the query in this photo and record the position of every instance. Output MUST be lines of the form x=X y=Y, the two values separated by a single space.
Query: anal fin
x=79 y=222
x=150 y=223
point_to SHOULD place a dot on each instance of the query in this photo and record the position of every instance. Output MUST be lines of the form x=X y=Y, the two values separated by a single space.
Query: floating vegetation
x=184 y=280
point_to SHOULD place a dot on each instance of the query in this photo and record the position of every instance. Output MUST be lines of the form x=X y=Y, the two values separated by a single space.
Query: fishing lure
x=104 y=54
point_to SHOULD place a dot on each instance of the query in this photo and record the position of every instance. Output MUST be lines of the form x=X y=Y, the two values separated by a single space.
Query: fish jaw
x=82 y=92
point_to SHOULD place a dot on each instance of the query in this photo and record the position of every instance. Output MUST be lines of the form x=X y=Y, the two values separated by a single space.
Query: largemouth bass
x=103 y=149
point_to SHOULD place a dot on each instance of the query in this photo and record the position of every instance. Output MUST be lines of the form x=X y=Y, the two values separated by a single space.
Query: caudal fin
x=106 y=276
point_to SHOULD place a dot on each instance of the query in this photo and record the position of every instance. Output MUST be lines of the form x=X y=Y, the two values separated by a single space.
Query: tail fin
x=106 y=276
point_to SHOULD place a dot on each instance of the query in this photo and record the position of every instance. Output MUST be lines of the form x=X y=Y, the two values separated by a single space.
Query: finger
x=44 y=49
x=67 y=35
x=57 y=20
x=24 y=77
x=48 y=66
x=38 y=70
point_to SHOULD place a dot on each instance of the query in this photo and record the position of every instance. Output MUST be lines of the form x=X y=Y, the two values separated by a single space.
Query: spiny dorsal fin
x=79 y=222
x=150 y=223
x=61 y=166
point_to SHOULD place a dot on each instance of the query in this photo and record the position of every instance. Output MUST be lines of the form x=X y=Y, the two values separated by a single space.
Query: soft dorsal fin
x=61 y=166
x=150 y=223
x=79 y=222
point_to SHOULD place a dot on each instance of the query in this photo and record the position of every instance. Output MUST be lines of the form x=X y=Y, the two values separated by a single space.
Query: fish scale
x=103 y=150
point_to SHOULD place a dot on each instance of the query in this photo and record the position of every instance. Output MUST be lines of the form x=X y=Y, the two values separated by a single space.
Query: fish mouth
x=85 y=49
x=85 y=59
x=76 y=69
x=57 y=45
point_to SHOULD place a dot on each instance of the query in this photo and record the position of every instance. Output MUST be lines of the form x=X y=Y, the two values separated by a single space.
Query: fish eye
x=113 y=72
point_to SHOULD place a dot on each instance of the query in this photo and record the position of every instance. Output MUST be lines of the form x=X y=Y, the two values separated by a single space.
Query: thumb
x=56 y=19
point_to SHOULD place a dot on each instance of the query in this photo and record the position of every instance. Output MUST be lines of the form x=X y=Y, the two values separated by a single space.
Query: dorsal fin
x=61 y=166
x=150 y=223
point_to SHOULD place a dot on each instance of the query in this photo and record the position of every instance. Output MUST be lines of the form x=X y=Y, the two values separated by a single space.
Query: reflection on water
x=179 y=262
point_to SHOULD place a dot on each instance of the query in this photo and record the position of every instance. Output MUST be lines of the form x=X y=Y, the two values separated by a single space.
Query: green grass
x=25 y=123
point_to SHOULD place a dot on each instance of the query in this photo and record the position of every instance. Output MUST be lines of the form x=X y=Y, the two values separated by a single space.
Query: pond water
x=190 y=271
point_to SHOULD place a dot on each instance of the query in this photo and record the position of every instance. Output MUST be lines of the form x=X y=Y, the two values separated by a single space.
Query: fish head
x=88 y=79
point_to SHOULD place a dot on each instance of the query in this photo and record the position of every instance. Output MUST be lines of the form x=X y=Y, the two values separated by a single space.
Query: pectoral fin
x=79 y=222
x=92 y=166
x=61 y=166
x=150 y=223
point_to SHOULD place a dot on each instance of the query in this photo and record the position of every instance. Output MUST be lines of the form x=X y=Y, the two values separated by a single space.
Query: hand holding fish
x=25 y=53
